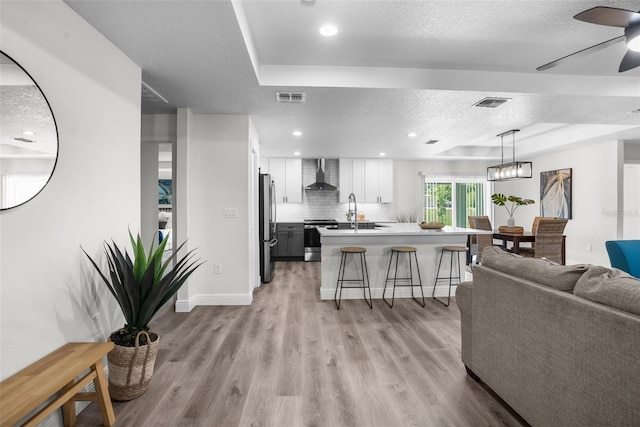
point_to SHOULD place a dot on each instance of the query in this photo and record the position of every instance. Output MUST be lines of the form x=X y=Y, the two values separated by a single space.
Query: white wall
x=631 y=213
x=631 y=206
x=218 y=153
x=254 y=236
x=48 y=289
x=596 y=198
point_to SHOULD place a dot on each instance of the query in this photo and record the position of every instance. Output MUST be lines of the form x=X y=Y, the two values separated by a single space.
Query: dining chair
x=482 y=240
x=536 y=221
x=534 y=229
x=625 y=255
x=549 y=239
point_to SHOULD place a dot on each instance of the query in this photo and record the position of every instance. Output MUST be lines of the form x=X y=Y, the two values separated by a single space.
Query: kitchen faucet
x=353 y=212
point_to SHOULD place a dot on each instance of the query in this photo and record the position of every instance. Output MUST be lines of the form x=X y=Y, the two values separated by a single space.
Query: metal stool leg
x=387 y=278
x=451 y=276
x=409 y=278
x=395 y=278
x=340 y=280
x=365 y=273
x=435 y=283
x=415 y=255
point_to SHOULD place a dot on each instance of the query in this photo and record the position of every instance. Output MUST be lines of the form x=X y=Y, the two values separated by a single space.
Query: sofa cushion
x=539 y=270
x=611 y=287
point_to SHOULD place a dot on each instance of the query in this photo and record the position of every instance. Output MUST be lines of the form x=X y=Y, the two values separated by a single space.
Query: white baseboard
x=185 y=306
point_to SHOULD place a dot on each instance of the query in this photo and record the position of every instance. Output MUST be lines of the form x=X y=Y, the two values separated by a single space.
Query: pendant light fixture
x=513 y=170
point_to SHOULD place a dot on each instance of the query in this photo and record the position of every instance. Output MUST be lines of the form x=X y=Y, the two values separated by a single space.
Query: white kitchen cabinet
x=351 y=179
x=264 y=165
x=286 y=173
x=378 y=181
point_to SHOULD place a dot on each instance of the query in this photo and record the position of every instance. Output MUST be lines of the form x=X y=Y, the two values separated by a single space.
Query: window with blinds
x=451 y=199
x=16 y=189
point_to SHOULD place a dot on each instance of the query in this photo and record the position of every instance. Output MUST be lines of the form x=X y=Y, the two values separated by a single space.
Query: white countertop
x=401 y=229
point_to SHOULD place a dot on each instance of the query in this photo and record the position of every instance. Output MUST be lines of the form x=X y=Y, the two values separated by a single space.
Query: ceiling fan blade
x=630 y=60
x=611 y=16
x=581 y=53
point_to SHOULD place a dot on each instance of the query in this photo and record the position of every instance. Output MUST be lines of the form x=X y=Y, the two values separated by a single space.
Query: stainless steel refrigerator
x=267 y=228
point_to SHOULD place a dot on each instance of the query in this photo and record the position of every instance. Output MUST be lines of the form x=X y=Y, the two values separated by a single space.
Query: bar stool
x=365 y=275
x=452 y=250
x=397 y=250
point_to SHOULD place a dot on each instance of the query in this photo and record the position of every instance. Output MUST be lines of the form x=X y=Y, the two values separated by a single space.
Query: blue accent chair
x=625 y=255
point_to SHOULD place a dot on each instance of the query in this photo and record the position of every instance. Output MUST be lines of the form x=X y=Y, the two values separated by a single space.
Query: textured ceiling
x=24 y=108
x=486 y=35
x=394 y=67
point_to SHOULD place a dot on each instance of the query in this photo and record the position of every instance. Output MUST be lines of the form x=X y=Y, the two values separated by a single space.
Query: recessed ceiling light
x=382 y=154
x=28 y=133
x=412 y=134
x=328 y=30
x=297 y=153
x=297 y=133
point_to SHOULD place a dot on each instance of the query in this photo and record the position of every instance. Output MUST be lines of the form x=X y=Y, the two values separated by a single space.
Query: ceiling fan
x=612 y=17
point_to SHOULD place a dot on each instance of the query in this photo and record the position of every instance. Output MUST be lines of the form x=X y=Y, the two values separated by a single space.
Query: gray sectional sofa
x=559 y=344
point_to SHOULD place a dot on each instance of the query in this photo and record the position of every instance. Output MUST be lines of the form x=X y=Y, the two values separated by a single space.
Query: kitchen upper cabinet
x=378 y=181
x=351 y=179
x=264 y=165
x=287 y=176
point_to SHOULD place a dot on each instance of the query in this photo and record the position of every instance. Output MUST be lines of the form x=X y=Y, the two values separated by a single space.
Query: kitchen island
x=378 y=243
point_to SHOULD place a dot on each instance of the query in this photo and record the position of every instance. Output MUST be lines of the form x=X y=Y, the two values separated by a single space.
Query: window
x=451 y=199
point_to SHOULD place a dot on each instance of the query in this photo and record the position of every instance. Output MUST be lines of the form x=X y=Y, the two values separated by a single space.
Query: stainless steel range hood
x=320 y=183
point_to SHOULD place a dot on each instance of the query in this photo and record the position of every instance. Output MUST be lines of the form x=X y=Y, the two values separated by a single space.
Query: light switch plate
x=230 y=212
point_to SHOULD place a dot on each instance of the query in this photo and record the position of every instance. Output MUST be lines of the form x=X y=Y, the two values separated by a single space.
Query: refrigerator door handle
x=274 y=205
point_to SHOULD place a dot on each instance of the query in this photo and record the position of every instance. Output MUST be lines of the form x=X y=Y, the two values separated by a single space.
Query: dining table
x=523 y=237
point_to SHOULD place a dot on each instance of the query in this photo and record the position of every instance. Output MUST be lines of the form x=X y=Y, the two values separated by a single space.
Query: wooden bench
x=23 y=392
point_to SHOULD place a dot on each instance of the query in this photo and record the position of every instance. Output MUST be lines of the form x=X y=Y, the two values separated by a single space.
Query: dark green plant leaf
x=142 y=285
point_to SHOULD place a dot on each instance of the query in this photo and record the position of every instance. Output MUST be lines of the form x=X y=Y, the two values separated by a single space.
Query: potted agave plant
x=499 y=199
x=141 y=286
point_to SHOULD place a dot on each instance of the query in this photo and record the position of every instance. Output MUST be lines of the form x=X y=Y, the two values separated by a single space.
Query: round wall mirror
x=28 y=137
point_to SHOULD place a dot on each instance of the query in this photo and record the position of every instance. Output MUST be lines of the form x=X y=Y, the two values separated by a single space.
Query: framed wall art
x=165 y=192
x=555 y=193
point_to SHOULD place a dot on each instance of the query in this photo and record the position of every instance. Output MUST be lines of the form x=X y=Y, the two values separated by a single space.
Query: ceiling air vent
x=290 y=97
x=21 y=139
x=491 y=102
x=431 y=141
x=150 y=95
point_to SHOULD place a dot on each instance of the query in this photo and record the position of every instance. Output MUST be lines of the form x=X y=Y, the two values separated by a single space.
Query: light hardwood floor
x=290 y=359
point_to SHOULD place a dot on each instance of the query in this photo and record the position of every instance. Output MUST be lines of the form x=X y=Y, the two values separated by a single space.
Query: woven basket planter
x=131 y=368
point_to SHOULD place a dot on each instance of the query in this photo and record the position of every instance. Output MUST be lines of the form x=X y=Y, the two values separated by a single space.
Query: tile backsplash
x=324 y=204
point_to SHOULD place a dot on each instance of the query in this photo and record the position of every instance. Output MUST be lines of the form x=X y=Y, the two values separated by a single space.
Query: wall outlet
x=217 y=268
x=589 y=247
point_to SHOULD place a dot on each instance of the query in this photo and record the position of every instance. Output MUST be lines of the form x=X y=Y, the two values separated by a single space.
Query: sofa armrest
x=464 y=297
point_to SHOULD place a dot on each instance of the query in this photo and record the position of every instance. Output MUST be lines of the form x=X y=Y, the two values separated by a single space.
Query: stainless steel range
x=312 y=236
